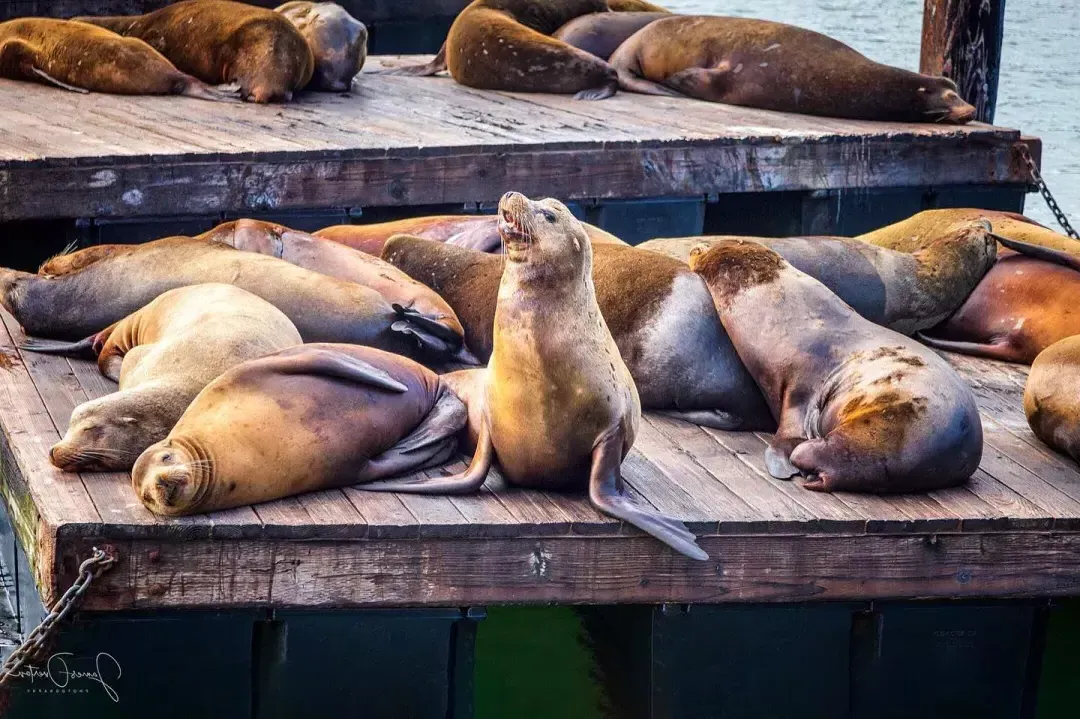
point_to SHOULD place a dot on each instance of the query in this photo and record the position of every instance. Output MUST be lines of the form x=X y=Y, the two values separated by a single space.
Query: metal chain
x=1036 y=176
x=33 y=646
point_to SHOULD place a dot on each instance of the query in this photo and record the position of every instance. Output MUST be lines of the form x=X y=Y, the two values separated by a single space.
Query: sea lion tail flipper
x=467 y=482
x=435 y=66
x=1039 y=252
x=633 y=83
x=607 y=494
x=50 y=79
x=82 y=348
x=1001 y=349
x=310 y=360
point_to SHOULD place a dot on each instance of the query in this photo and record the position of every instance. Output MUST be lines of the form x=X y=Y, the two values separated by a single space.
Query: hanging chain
x=1036 y=176
x=35 y=643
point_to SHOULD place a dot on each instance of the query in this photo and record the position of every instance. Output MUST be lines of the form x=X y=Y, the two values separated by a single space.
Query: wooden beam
x=961 y=39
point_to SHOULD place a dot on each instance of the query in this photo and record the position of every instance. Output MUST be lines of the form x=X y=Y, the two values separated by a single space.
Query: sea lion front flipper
x=82 y=348
x=607 y=494
x=777 y=459
x=1058 y=257
x=467 y=482
x=432 y=324
x=446 y=418
x=309 y=360
x=1001 y=349
x=700 y=82
x=712 y=418
x=435 y=66
x=633 y=83
x=598 y=93
x=48 y=78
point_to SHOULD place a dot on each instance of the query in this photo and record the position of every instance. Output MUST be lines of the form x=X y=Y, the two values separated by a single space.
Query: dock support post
x=961 y=39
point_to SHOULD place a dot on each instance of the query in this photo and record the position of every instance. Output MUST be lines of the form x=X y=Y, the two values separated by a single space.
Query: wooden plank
x=385 y=515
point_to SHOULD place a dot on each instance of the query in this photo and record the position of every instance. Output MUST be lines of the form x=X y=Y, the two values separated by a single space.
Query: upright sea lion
x=306 y=418
x=659 y=312
x=601 y=33
x=84 y=58
x=219 y=41
x=322 y=308
x=906 y=291
x=859 y=407
x=338 y=42
x=560 y=410
x=769 y=65
x=162 y=356
x=475 y=232
x=1052 y=396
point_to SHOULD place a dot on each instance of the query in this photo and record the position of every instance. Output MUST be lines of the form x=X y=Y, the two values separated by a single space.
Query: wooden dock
x=1013 y=531
x=398 y=142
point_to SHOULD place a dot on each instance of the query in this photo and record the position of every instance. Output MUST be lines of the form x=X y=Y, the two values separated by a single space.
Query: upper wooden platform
x=1014 y=530
x=401 y=141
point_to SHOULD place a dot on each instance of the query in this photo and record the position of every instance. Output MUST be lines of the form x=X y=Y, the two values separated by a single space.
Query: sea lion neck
x=200 y=465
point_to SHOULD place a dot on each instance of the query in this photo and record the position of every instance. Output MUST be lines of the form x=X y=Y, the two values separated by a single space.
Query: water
x=1039 y=88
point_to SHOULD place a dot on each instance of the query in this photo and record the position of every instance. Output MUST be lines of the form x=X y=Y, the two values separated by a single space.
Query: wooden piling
x=961 y=39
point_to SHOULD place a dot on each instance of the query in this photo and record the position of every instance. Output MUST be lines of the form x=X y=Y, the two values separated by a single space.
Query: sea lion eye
x=167 y=457
x=549 y=216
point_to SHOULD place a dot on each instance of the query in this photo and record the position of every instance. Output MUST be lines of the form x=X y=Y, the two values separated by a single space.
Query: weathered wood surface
x=401 y=141
x=961 y=39
x=367 y=11
x=1014 y=530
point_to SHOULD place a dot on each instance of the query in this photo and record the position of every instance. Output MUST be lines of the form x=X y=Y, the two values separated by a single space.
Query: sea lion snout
x=946 y=105
x=168 y=479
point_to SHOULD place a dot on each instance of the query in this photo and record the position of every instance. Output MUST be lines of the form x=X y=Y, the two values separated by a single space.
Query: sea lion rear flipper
x=465 y=483
x=1040 y=253
x=435 y=66
x=48 y=78
x=82 y=348
x=633 y=83
x=445 y=419
x=1001 y=349
x=607 y=494
x=309 y=360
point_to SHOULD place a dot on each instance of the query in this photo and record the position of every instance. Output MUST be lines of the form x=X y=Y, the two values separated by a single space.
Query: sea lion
x=507 y=45
x=601 y=33
x=322 y=308
x=162 y=356
x=306 y=418
x=85 y=58
x=659 y=312
x=475 y=232
x=338 y=42
x=859 y=407
x=560 y=409
x=220 y=42
x=904 y=291
x=1052 y=396
x=769 y=65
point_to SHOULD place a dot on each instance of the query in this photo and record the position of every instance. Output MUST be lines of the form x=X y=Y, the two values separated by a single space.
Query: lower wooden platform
x=1013 y=531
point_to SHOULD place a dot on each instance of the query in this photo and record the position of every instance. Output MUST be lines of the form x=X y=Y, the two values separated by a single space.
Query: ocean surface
x=1039 y=88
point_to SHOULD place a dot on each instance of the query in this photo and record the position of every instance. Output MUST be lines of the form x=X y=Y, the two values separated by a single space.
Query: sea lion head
x=942 y=103
x=542 y=234
x=337 y=39
x=173 y=476
x=106 y=434
x=257 y=236
x=731 y=266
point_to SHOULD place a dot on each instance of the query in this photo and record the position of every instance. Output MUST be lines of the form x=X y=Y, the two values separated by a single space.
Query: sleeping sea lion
x=306 y=418
x=222 y=42
x=323 y=308
x=769 y=65
x=859 y=407
x=1052 y=396
x=338 y=42
x=601 y=33
x=85 y=58
x=162 y=356
x=659 y=312
x=560 y=410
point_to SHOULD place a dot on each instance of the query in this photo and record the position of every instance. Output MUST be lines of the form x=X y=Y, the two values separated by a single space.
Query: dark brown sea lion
x=221 y=42
x=306 y=418
x=601 y=33
x=1052 y=396
x=859 y=407
x=659 y=312
x=769 y=65
x=85 y=58
x=162 y=356
x=906 y=291
x=323 y=308
x=560 y=410
x=475 y=232
x=338 y=41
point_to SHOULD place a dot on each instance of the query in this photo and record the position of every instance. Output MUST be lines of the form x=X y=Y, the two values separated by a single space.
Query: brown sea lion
x=769 y=65
x=859 y=407
x=904 y=291
x=1052 y=396
x=85 y=58
x=306 y=418
x=338 y=41
x=659 y=312
x=220 y=42
x=323 y=308
x=601 y=33
x=162 y=356
x=475 y=232
x=560 y=409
